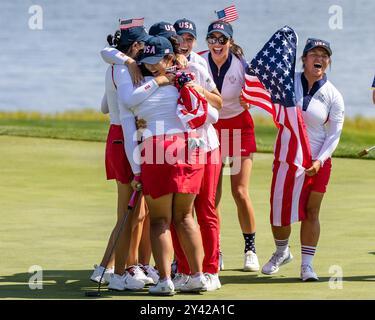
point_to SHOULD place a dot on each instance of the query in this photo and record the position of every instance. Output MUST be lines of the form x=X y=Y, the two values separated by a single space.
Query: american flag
x=191 y=106
x=130 y=23
x=228 y=14
x=269 y=84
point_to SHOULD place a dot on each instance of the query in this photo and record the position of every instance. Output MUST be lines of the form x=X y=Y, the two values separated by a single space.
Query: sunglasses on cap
x=221 y=40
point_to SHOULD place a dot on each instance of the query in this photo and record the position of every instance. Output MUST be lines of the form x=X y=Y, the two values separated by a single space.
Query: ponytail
x=236 y=50
x=114 y=41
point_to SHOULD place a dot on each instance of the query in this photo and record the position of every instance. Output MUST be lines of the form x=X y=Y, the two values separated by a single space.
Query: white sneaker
x=135 y=278
x=308 y=274
x=195 y=284
x=163 y=288
x=97 y=274
x=117 y=282
x=251 y=262
x=151 y=272
x=276 y=261
x=221 y=261
x=179 y=279
x=140 y=275
x=213 y=282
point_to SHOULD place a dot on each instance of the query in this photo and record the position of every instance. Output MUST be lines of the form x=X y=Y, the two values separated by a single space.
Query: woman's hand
x=136 y=183
x=182 y=61
x=244 y=104
x=196 y=86
x=167 y=79
x=135 y=71
x=313 y=170
x=141 y=124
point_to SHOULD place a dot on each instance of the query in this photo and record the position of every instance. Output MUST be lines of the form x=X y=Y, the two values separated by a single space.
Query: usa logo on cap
x=169 y=27
x=149 y=49
x=218 y=26
x=185 y=25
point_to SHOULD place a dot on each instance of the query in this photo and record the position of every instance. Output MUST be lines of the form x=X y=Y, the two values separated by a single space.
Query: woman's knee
x=312 y=214
x=183 y=219
x=159 y=221
x=240 y=194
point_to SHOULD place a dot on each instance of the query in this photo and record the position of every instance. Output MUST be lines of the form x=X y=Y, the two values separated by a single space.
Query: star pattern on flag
x=274 y=65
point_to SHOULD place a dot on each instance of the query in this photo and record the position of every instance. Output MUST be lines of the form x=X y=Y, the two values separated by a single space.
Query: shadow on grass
x=58 y=284
x=248 y=278
x=72 y=284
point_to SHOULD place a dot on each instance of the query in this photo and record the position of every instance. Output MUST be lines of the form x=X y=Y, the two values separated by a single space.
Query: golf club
x=366 y=151
x=131 y=205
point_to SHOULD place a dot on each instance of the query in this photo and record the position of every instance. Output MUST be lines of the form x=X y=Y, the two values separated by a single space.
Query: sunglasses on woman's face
x=221 y=40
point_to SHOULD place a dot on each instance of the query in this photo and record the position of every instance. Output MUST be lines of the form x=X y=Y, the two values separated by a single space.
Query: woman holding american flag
x=309 y=112
x=235 y=127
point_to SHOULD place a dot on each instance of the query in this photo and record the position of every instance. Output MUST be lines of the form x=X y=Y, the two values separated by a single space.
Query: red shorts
x=321 y=179
x=116 y=163
x=236 y=135
x=168 y=166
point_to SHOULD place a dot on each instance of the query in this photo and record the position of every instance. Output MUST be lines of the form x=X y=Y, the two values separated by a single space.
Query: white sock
x=307 y=253
x=281 y=245
x=197 y=275
x=165 y=279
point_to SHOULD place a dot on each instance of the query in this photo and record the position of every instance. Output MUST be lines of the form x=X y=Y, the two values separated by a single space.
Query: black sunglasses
x=221 y=40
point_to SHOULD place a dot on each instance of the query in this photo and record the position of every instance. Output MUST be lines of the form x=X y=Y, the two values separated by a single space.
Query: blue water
x=59 y=68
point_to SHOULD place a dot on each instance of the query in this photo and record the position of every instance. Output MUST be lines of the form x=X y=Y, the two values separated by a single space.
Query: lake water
x=59 y=67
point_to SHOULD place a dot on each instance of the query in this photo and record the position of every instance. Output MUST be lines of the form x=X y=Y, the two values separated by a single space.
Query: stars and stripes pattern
x=228 y=14
x=130 y=23
x=192 y=107
x=269 y=84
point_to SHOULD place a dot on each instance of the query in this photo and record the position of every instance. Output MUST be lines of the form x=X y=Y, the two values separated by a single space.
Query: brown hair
x=236 y=49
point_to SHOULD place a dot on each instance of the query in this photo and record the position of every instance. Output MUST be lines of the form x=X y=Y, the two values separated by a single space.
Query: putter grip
x=363 y=153
x=133 y=199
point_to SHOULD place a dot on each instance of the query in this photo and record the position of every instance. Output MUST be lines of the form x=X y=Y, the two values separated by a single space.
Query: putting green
x=57 y=211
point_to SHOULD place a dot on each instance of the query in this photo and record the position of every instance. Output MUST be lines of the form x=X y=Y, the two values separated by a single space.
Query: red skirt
x=321 y=179
x=236 y=135
x=169 y=166
x=116 y=163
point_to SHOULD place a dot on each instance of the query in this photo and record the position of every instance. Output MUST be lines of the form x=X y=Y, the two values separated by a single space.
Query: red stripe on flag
x=289 y=182
x=127 y=24
x=230 y=14
x=275 y=170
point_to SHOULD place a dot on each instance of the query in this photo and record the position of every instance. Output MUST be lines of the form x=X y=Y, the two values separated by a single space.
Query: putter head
x=362 y=153
x=92 y=294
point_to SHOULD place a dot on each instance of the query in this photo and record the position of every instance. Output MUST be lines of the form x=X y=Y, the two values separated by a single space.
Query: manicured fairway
x=57 y=210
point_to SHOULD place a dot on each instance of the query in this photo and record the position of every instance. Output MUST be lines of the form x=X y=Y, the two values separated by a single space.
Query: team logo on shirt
x=322 y=99
x=232 y=79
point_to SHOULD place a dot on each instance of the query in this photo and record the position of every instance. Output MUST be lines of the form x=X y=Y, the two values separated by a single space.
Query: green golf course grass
x=90 y=125
x=57 y=211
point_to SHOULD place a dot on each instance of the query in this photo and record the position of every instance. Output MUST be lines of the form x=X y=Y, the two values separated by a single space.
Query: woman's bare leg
x=161 y=241
x=188 y=230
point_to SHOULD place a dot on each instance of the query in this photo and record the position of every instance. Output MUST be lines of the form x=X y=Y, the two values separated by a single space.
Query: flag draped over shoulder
x=269 y=84
x=192 y=107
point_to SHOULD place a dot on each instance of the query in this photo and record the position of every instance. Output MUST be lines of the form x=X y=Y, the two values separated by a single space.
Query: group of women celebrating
x=178 y=166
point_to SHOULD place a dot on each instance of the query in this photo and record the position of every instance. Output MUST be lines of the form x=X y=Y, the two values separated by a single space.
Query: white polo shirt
x=233 y=83
x=323 y=114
